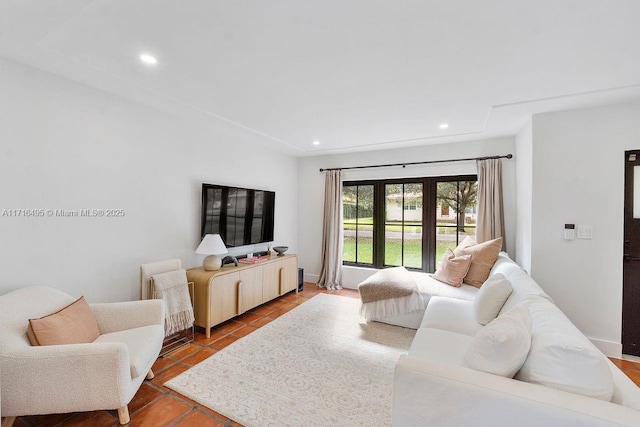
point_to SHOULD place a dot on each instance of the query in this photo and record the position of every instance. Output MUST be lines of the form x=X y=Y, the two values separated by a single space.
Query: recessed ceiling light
x=316 y=142
x=444 y=125
x=148 y=59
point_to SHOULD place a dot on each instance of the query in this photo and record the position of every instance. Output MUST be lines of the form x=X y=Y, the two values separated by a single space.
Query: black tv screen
x=241 y=216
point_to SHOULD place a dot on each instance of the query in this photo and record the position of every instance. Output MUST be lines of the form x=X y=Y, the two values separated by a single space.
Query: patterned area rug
x=317 y=365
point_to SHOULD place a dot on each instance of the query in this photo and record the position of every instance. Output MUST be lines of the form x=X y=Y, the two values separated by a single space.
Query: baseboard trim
x=314 y=278
x=609 y=348
x=634 y=359
x=311 y=278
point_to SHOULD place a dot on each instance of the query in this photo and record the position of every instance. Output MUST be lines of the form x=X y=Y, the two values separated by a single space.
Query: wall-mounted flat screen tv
x=241 y=216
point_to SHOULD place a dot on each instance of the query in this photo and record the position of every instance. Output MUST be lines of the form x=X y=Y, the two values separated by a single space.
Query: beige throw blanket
x=389 y=292
x=173 y=289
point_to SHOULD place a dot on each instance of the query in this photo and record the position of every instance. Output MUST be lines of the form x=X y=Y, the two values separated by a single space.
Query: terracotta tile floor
x=157 y=406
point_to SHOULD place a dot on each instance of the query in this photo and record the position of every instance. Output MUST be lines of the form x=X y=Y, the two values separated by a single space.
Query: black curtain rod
x=508 y=156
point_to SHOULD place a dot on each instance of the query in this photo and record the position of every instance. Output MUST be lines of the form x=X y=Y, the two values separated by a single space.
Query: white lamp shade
x=212 y=244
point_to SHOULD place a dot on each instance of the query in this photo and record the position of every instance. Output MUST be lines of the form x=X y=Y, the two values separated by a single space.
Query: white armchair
x=101 y=375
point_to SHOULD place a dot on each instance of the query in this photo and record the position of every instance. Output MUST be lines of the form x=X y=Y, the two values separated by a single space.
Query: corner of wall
x=524 y=194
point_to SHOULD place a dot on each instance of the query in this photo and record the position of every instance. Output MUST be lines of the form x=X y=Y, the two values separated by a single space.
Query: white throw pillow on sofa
x=561 y=356
x=491 y=297
x=502 y=346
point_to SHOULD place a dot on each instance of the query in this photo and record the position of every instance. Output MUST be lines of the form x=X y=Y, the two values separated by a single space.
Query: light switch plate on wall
x=585 y=232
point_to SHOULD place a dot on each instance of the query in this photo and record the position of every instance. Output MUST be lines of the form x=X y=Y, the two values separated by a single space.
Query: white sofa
x=432 y=388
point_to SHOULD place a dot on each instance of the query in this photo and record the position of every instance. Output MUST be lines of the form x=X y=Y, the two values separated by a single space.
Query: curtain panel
x=332 y=233
x=490 y=221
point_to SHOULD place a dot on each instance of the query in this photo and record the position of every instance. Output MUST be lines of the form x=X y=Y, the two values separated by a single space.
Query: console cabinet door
x=289 y=274
x=250 y=289
x=224 y=297
x=271 y=280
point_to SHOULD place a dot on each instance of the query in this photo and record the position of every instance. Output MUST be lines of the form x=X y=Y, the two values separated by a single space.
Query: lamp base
x=212 y=262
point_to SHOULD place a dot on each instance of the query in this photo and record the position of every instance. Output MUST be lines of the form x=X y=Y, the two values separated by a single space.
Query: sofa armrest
x=437 y=394
x=118 y=316
x=65 y=378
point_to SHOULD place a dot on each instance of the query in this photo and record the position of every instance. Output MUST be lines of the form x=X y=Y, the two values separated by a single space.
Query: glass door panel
x=403 y=225
x=393 y=216
x=350 y=222
x=365 y=224
x=455 y=214
x=446 y=218
x=412 y=225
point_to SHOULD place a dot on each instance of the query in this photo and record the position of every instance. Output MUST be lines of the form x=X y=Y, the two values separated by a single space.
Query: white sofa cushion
x=502 y=346
x=428 y=287
x=452 y=315
x=439 y=346
x=560 y=356
x=143 y=344
x=491 y=297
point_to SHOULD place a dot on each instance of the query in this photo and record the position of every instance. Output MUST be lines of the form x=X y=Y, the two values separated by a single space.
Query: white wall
x=578 y=177
x=524 y=189
x=311 y=189
x=68 y=146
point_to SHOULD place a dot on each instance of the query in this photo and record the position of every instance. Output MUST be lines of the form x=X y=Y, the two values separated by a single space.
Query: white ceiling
x=352 y=74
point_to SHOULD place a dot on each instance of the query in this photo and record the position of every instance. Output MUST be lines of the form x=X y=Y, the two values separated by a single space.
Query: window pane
x=365 y=244
x=392 y=245
x=412 y=226
x=468 y=193
x=349 y=248
x=393 y=224
x=357 y=209
x=365 y=224
x=413 y=245
x=349 y=198
x=350 y=215
x=365 y=204
x=446 y=218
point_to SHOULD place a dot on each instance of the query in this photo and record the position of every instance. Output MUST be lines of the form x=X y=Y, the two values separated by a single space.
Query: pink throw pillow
x=453 y=268
x=483 y=256
x=73 y=324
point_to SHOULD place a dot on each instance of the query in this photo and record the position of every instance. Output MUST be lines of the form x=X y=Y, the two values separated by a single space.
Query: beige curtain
x=331 y=272
x=490 y=222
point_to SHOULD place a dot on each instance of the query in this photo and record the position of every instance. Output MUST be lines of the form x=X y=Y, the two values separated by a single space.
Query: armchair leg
x=123 y=415
x=150 y=374
x=8 y=421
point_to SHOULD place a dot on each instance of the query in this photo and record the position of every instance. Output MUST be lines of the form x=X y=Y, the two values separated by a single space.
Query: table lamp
x=212 y=245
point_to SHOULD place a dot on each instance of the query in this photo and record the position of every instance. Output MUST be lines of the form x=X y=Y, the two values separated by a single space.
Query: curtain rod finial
x=321 y=170
x=509 y=156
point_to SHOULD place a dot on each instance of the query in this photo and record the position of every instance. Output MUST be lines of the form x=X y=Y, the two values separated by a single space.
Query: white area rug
x=316 y=365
